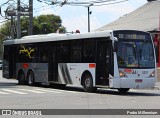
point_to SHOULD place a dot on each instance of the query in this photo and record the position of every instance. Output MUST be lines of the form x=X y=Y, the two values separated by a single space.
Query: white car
x=0 y=64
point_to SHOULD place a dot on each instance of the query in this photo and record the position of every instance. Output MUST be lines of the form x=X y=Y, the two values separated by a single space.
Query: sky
x=76 y=17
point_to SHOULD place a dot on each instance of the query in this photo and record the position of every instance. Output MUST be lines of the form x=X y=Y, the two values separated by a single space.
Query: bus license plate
x=138 y=80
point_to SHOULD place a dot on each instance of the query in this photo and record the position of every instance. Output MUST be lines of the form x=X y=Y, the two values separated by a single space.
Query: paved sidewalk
x=158 y=85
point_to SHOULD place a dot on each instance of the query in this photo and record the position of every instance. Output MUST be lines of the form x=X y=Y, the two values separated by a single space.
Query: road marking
x=66 y=91
x=34 y=91
x=13 y=91
x=45 y=90
x=4 y=93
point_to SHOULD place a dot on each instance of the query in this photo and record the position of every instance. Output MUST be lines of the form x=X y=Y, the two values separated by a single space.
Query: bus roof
x=57 y=37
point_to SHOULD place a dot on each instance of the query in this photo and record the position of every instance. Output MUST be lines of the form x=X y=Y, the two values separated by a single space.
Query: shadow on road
x=7 y=85
x=80 y=89
x=130 y=93
x=107 y=91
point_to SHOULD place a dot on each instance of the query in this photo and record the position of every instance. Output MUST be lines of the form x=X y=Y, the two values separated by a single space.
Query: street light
x=89 y=12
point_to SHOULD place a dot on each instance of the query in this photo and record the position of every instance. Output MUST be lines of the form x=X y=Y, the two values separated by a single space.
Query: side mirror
x=115 y=44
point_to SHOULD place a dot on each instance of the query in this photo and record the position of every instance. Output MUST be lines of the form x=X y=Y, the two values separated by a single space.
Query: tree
x=42 y=24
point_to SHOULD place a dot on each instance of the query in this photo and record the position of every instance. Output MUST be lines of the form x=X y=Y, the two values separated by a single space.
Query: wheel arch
x=30 y=70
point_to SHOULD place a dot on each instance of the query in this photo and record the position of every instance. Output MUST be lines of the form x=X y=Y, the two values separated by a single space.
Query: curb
x=156 y=88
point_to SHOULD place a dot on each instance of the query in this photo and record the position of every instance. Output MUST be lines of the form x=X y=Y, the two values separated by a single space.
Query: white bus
x=119 y=59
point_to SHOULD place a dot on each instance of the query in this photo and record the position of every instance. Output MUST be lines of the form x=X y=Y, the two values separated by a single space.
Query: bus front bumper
x=139 y=83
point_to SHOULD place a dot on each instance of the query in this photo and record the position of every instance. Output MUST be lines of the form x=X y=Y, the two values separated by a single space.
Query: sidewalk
x=158 y=85
x=158 y=78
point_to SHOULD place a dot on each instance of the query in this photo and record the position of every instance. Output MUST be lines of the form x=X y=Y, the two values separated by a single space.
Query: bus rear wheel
x=30 y=78
x=88 y=83
x=21 y=78
x=123 y=90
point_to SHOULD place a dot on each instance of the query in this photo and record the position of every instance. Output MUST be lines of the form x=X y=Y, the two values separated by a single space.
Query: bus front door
x=103 y=62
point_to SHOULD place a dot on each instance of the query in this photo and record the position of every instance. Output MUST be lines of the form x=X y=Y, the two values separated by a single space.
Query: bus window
x=64 y=52
x=43 y=52
x=89 y=51
x=76 y=51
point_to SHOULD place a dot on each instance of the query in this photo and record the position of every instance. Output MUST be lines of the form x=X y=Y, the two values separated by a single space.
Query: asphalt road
x=13 y=96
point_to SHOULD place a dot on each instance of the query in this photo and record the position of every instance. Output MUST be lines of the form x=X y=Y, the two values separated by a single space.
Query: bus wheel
x=21 y=78
x=123 y=90
x=88 y=83
x=30 y=78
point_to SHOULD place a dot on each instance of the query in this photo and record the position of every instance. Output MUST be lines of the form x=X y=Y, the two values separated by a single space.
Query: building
x=145 y=18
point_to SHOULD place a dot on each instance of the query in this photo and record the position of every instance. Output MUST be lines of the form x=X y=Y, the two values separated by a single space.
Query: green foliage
x=42 y=24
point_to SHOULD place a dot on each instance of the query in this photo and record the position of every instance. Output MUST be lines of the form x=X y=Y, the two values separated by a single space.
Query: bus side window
x=76 y=47
x=89 y=51
x=43 y=54
x=64 y=52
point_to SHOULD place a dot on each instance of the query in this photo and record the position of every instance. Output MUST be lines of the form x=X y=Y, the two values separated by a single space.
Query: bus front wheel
x=123 y=90
x=88 y=83
x=30 y=78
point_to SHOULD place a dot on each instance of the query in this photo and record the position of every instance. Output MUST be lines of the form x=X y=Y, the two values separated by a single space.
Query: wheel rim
x=30 y=79
x=88 y=82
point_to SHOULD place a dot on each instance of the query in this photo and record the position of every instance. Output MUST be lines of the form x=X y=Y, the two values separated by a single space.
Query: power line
x=111 y=3
x=83 y=3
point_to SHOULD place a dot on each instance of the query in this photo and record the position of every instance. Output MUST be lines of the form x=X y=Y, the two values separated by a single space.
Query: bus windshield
x=135 y=53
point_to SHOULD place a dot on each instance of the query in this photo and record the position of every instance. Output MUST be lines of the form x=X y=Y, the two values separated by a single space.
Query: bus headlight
x=121 y=74
x=152 y=74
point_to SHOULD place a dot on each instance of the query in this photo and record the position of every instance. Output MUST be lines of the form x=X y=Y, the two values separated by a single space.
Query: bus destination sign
x=132 y=36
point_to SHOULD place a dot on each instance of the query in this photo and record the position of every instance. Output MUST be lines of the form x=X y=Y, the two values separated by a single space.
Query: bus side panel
x=71 y=73
x=40 y=71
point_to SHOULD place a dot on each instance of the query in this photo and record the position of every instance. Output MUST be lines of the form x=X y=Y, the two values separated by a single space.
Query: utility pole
x=89 y=12
x=12 y=28
x=10 y=12
x=88 y=20
x=30 y=27
x=18 y=20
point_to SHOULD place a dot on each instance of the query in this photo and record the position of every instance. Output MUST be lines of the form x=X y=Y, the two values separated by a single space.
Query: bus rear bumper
x=139 y=83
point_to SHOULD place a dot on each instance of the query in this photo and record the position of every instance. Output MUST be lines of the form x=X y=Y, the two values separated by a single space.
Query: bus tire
x=30 y=78
x=21 y=78
x=88 y=83
x=123 y=90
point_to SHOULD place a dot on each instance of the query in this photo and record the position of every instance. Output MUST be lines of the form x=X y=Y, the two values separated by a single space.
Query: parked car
x=0 y=64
